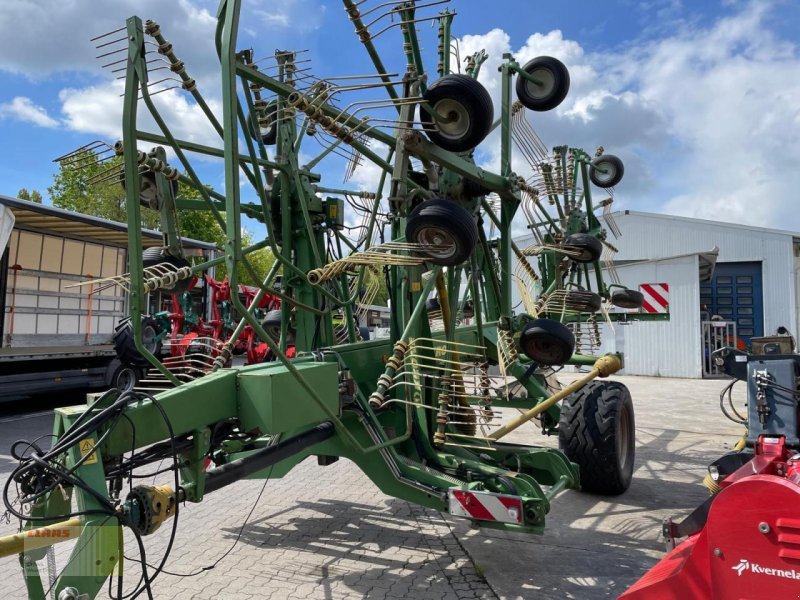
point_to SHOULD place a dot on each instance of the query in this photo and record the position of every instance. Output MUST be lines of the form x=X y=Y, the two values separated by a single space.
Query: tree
x=377 y=276
x=203 y=225
x=198 y=224
x=261 y=260
x=32 y=196
x=85 y=185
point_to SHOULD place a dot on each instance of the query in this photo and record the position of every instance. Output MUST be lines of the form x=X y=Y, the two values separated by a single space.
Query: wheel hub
x=605 y=172
x=126 y=380
x=455 y=119
x=544 y=87
x=439 y=242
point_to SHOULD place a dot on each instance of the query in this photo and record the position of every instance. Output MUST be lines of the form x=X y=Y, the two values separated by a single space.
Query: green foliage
x=261 y=261
x=370 y=278
x=32 y=196
x=203 y=225
x=74 y=189
x=198 y=224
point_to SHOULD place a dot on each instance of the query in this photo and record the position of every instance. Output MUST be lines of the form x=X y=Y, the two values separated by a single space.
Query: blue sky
x=701 y=99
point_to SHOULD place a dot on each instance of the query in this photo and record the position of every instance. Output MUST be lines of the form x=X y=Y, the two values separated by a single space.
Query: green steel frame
x=325 y=382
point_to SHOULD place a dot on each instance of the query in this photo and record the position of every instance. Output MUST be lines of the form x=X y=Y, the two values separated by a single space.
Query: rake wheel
x=467 y=109
x=547 y=342
x=157 y=255
x=440 y=222
x=553 y=85
x=606 y=171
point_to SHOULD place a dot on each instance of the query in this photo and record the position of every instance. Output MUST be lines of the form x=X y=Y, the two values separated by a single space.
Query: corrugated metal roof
x=31 y=215
x=720 y=223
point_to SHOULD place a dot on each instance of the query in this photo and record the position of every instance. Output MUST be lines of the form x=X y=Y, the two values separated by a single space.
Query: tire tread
x=587 y=435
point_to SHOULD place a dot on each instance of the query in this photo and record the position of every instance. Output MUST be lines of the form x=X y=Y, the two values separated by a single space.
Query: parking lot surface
x=328 y=533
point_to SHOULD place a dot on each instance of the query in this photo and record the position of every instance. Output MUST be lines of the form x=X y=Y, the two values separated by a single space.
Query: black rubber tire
x=272 y=325
x=627 y=299
x=432 y=304
x=269 y=134
x=547 y=342
x=606 y=171
x=441 y=222
x=597 y=431
x=590 y=247
x=463 y=97
x=583 y=301
x=156 y=254
x=556 y=78
x=125 y=347
x=148 y=189
x=125 y=378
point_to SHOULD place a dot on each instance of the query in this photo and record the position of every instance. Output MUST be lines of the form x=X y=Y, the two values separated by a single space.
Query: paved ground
x=328 y=533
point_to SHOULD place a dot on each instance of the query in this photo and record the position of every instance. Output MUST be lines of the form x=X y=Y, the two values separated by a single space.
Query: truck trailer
x=57 y=336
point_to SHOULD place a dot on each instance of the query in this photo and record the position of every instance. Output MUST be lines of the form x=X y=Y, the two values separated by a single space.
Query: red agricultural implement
x=187 y=343
x=744 y=541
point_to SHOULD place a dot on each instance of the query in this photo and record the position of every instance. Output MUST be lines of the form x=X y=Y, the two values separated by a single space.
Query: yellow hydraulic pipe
x=40 y=537
x=603 y=367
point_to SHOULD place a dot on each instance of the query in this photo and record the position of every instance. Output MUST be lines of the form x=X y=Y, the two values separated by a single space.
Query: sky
x=699 y=98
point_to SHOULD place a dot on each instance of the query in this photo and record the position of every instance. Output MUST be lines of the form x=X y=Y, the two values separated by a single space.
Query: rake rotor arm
x=355 y=17
x=284 y=90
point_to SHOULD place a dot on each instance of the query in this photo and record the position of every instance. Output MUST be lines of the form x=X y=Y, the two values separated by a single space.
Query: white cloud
x=97 y=110
x=706 y=119
x=23 y=109
x=301 y=15
x=54 y=36
x=281 y=20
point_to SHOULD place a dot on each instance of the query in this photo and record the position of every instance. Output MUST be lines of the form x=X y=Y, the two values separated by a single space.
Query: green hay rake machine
x=421 y=413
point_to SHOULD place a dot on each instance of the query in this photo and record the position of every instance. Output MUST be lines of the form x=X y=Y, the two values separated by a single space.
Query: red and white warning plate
x=656 y=297
x=485 y=506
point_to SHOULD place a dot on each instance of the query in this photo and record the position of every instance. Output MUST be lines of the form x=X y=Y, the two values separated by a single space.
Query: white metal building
x=742 y=277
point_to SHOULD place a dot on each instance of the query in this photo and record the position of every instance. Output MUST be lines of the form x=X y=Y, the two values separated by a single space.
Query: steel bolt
x=717 y=552
x=69 y=593
x=763 y=527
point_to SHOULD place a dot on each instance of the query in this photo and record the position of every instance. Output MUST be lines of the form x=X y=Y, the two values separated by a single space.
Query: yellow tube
x=40 y=537
x=603 y=367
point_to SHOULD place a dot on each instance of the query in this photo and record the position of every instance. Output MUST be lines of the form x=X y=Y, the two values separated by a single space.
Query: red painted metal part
x=750 y=546
x=258 y=351
x=213 y=331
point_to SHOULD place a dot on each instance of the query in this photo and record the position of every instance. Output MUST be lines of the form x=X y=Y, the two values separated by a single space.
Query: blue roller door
x=735 y=294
